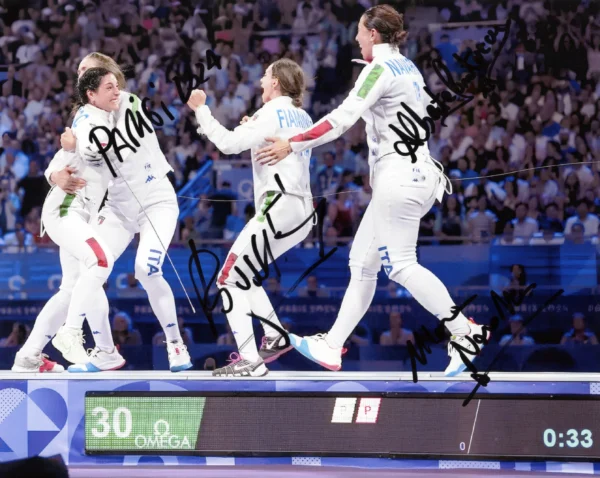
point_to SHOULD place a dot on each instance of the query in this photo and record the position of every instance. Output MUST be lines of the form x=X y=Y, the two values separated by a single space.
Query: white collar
x=384 y=49
x=282 y=99
x=105 y=115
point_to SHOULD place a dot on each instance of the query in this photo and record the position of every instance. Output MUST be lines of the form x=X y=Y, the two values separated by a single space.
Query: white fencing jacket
x=389 y=80
x=278 y=117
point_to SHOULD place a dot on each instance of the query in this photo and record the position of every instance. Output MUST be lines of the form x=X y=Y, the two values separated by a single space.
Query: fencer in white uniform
x=286 y=202
x=66 y=218
x=403 y=190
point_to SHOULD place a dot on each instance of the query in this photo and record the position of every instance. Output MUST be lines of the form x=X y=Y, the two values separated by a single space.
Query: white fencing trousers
x=403 y=193
x=85 y=257
x=255 y=248
x=156 y=221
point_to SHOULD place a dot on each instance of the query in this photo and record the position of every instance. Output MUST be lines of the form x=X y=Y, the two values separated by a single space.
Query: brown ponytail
x=291 y=79
x=388 y=22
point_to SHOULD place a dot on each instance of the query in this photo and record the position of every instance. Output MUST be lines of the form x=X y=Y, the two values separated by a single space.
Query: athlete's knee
x=396 y=262
x=149 y=265
x=99 y=257
x=362 y=273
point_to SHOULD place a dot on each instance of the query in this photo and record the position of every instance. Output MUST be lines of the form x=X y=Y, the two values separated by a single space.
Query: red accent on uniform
x=93 y=243
x=231 y=258
x=47 y=365
x=313 y=133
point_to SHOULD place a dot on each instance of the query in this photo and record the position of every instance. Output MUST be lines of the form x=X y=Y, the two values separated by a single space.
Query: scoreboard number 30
x=121 y=422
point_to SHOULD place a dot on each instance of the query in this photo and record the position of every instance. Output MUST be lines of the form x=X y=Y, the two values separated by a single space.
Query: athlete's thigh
x=266 y=237
x=114 y=229
x=76 y=237
x=364 y=254
x=157 y=224
x=400 y=203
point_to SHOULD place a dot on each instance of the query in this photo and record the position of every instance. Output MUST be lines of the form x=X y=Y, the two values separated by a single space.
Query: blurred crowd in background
x=545 y=110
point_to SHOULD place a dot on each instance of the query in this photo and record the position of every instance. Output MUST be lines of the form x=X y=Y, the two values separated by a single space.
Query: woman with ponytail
x=286 y=188
x=389 y=96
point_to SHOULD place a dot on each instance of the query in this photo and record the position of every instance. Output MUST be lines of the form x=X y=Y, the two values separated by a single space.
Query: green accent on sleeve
x=64 y=207
x=369 y=82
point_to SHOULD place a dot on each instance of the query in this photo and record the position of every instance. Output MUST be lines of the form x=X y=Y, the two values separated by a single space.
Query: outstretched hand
x=273 y=153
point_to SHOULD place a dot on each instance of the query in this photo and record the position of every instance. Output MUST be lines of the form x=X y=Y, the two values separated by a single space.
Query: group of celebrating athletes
x=91 y=238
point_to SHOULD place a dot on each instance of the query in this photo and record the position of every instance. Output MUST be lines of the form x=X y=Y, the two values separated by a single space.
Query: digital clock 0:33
x=575 y=438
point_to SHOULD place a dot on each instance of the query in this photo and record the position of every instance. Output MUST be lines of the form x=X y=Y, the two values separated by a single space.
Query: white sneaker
x=473 y=343
x=239 y=367
x=35 y=364
x=100 y=361
x=317 y=349
x=69 y=342
x=179 y=357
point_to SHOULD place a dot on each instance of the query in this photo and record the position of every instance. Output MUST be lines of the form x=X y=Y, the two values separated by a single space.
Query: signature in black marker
x=443 y=104
x=263 y=265
x=418 y=352
x=135 y=124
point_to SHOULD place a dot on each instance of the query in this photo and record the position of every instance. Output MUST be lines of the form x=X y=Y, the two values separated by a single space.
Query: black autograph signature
x=418 y=352
x=443 y=104
x=135 y=125
x=208 y=305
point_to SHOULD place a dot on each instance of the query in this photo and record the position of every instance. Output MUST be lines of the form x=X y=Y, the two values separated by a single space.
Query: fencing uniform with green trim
x=389 y=96
x=277 y=118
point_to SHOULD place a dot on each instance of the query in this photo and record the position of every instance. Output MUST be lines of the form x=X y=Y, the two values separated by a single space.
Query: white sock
x=47 y=323
x=261 y=306
x=241 y=325
x=89 y=302
x=433 y=295
x=356 y=302
x=162 y=302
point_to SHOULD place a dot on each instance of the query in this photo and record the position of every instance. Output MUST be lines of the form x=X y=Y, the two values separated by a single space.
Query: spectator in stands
x=223 y=205
x=550 y=221
x=131 y=289
x=19 y=241
x=577 y=235
x=342 y=212
x=481 y=222
x=508 y=236
x=159 y=338
x=579 y=334
x=226 y=338
x=35 y=188
x=17 y=337
x=589 y=221
x=273 y=287
x=517 y=285
x=449 y=221
x=525 y=226
x=313 y=289
x=9 y=207
x=123 y=332
x=518 y=333
x=329 y=176
x=396 y=335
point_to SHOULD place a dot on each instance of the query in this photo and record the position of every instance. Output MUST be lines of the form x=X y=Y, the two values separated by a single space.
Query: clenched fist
x=197 y=99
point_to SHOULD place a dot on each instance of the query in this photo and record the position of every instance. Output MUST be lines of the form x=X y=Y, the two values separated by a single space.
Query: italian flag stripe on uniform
x=64 y=207
x=372 y=77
